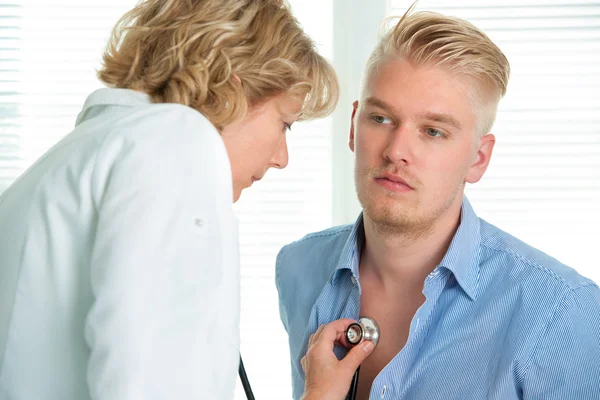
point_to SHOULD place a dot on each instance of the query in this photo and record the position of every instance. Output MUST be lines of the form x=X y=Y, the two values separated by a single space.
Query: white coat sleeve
x=165 y=319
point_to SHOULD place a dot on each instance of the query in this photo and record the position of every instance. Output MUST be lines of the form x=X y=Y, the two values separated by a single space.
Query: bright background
x=543 y=184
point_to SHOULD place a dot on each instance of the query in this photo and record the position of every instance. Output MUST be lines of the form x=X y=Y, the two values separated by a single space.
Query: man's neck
x=396 y=259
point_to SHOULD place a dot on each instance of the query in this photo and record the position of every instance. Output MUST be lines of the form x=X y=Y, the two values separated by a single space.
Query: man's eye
x=380 y=119
x=433 y=132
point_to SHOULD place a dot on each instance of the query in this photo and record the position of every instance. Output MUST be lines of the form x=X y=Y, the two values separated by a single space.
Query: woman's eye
x=380 y=119
x=433 y=132
x=287 y=127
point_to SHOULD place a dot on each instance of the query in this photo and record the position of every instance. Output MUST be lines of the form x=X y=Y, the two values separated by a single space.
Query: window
x=49 y=52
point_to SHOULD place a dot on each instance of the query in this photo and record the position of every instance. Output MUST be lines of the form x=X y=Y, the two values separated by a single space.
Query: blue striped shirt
x=501 y=319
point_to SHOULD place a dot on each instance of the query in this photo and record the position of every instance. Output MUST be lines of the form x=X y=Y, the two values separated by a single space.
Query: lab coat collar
x=117 y=97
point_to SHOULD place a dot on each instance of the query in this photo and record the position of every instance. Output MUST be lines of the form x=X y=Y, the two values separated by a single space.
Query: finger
x=315 y=336
x=357 y=355
x=303 y=363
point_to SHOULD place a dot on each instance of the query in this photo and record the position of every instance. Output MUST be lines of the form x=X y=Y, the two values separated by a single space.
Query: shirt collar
x=109 y=96
x=350 y=255
x=462 y=257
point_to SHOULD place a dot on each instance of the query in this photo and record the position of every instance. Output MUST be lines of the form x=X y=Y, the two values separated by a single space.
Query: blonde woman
x=118 y=248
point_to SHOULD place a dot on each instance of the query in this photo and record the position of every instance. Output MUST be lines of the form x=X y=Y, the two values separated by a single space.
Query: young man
x=465 y=310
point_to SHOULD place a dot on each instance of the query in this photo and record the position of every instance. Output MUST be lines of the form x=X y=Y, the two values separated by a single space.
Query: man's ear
x=482 y=159
x=351 y=142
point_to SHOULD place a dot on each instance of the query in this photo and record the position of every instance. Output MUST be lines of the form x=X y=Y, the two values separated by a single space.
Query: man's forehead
x=400 y=71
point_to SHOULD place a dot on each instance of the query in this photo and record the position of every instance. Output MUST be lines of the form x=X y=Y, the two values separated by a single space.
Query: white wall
x=355 y=28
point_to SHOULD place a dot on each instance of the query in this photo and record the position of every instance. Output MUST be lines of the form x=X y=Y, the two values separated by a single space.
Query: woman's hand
x=328 y=378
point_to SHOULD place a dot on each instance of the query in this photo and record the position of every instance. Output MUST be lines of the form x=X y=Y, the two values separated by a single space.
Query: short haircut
x=432 y=39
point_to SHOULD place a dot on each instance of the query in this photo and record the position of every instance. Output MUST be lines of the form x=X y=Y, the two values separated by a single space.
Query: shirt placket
x=392 y=380
x=346 y=292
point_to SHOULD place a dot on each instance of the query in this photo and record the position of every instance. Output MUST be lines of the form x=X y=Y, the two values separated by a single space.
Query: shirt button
x=353 y=280
x=383 y=389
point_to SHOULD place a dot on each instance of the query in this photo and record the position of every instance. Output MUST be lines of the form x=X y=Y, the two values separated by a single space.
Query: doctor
x=119 y=275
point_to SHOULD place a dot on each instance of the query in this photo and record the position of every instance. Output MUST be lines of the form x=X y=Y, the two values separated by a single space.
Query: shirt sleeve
x=280 y=289
x=164 y=297
x=566 y=362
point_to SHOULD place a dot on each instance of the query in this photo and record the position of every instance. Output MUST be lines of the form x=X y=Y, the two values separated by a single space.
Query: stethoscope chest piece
x=365 y=329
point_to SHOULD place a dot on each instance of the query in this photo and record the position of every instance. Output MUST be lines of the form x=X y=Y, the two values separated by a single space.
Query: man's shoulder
x=335 y=236
x=303 y=268
x=315 y=253
x=531 y=262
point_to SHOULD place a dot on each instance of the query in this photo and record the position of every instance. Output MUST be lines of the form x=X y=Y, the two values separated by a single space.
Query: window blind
x=10 y=111
x=49 y=52
x=543 y=183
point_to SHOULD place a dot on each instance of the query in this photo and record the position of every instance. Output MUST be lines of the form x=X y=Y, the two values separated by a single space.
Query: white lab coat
x=119 y=262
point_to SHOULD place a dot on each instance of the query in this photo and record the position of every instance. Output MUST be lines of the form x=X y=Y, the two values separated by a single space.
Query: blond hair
x=428 y=38
x=219 y=57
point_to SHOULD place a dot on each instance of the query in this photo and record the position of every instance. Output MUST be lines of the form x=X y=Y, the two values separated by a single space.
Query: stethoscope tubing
x=354 y=385
x=245 y=381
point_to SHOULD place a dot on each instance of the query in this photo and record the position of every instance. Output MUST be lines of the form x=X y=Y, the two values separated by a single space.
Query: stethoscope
x=364 y=329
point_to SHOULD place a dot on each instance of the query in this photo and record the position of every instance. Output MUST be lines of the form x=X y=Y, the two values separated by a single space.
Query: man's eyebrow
x=375 y=102
x=443 y=118
x=431 y=116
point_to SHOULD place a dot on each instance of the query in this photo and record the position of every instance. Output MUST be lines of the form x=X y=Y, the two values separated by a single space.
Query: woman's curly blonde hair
x=219 y=57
